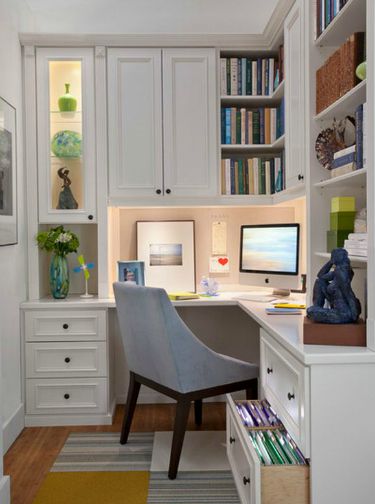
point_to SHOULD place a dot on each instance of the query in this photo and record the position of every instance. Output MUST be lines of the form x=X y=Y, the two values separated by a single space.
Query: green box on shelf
x=336 y=238
x=343 y=204
x=342 y=220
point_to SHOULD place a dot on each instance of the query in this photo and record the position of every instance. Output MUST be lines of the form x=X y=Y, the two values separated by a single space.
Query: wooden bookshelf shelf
x=274 y=147
x=254 y=99
x=356 y=178
x=360 y=262
x=344 y=105
x=351 y=19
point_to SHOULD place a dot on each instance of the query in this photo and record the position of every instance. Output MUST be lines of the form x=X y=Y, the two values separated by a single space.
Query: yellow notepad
x=290 y=305
x=178 y=296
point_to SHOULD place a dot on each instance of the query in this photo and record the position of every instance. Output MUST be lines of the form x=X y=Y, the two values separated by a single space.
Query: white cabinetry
x=162 y=132
x=66 y=367
x=294 y=96
x=66 y=138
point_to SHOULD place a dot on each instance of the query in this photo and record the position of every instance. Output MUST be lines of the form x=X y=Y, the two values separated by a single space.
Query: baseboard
x=63 y=420
x=5 y=490
x=12 y=428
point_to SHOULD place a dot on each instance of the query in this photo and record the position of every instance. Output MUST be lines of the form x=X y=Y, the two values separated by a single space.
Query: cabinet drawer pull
x=291 y=396
x=67 y=360
x=269 y=370
x=158 y=191
x=90 y=217
x=65 y=326
x=300 y=177
x=66 y=396
x=168 y=191
x=246 y=481
x=232 y=440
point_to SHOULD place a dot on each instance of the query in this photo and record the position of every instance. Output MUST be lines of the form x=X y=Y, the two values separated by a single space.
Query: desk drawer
x=65 y=325
x=72 y=359
x=257 y=483
x=59 y=396
x=285 y=383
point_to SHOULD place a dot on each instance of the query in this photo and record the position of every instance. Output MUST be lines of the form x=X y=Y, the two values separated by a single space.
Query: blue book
x=359 y=135
x=249 y=77
x=243 y=76
x=222 y=125
x=267 y=85
x=259 y=76
x=227 y=126
x=239 y=76
x=343 y=160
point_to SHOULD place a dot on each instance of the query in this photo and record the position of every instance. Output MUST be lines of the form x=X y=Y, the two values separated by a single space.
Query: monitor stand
x=281 y=292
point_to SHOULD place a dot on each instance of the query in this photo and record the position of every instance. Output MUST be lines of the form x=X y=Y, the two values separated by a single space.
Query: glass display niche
x=66 y=141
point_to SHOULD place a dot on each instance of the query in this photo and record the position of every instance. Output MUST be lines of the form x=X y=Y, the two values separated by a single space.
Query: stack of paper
x=257 y=414
x=276 y=447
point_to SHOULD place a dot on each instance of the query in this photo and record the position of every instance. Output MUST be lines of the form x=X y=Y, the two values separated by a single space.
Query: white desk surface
x=286 y=329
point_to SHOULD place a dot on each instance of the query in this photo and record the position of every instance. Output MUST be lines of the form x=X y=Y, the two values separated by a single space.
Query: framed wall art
x=168 y=251
x=8 y=174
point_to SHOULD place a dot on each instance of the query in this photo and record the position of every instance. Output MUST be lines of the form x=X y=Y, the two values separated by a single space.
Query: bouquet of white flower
x=58 y=240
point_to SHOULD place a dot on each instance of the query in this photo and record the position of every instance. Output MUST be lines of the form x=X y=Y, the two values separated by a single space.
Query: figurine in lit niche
x=66 y=198
x=333 y=297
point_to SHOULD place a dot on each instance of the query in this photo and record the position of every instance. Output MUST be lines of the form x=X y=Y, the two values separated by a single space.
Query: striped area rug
x=101 y=452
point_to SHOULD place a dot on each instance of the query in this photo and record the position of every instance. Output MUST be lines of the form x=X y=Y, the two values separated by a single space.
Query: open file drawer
x=257 y=483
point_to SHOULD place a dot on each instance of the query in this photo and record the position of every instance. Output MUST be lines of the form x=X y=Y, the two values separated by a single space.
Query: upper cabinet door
x=190 y=122
x=294 y=96
x=66 y=135
x=135 y=123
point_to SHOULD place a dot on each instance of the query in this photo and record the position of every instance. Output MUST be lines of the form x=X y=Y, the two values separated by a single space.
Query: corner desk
x=324 y=395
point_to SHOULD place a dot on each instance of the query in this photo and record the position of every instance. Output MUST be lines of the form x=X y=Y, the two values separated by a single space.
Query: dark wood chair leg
x=131 y=402
x=198 y=412
x=182 y=414
x=252 y=391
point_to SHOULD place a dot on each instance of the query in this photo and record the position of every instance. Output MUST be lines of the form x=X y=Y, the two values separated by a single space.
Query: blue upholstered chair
x=162 y=353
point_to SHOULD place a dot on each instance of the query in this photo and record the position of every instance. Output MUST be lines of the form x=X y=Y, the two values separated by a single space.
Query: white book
x=243 y=126
x=243 y=72
x=358 y=236
x=268 y=177
x=223 y=76
x=271 y=75
x=344 y=152
x=227 y=176
x=254 y=77
x=233 y=77
x=256 y=175
x=357 y=252
x=343 y=170
x=355 y=244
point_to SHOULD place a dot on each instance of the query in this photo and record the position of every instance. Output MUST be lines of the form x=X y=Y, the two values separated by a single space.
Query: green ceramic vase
x=67 y=102
x=361 y=70
x=59 y=276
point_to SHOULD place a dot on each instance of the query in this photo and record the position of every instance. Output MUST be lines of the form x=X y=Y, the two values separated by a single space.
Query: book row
x=326 y=11
x=241 y=126
x=338 y=74
x=252 y=176
x=250 y=77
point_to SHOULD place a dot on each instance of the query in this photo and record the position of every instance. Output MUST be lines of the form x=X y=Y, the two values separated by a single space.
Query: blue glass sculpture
x=334 y=301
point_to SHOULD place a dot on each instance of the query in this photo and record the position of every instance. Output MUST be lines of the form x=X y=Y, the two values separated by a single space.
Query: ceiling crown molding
x=263 y=41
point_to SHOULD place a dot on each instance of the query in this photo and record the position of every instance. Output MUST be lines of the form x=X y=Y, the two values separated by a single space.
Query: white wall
x=152 y=16
x=14 y=17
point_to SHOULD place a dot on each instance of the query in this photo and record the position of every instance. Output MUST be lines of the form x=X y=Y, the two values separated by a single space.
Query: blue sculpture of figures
x=333 y=297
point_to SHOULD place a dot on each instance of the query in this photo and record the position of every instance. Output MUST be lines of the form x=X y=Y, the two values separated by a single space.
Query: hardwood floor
x=31 y=456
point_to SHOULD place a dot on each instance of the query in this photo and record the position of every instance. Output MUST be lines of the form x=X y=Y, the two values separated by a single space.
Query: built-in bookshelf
x=252 y=123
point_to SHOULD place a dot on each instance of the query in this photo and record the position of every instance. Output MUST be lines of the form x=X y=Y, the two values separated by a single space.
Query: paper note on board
x=219 y=264
x=219 y=238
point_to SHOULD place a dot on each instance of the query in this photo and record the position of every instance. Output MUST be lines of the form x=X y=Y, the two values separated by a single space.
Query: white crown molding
x=262 y=41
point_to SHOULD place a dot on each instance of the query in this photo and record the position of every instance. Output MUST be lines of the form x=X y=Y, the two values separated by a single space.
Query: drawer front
x=245 y=467
x=65 y=325
x=55 y=396
x=285 y=383
x=71 y=359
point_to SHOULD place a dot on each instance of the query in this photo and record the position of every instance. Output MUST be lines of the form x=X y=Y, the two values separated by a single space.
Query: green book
x=262 y=177
x=240 y=177
x=228 y=76
x=238 y=127
x=256 y=127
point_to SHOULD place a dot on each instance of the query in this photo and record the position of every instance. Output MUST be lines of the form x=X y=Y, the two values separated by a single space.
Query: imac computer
x=269 y=256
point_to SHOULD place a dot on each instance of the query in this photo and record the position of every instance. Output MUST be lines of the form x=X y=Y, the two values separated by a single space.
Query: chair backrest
x=157 y=343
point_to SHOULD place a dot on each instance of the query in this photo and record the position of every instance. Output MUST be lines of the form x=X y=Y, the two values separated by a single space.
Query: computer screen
x=269 y=254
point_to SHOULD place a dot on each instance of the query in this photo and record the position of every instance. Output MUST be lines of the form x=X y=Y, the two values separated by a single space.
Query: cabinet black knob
x=65 y=326
x=90 y=217
x=232 y=440
x=168 y=191
x=266 y=280
x=66 y=396
x=269 y=370
x=300 y=177
x=291 y=396
x=158 y=191
x=67 y=360
x=246 y=481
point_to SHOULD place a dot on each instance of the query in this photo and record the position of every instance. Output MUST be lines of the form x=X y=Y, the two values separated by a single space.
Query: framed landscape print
x=8 y=183
x=167 y=249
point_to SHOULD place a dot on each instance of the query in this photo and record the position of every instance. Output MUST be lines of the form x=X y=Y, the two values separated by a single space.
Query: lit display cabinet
x=66 y=135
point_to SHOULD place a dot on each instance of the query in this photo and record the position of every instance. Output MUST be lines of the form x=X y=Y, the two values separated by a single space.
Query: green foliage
x=58 y=240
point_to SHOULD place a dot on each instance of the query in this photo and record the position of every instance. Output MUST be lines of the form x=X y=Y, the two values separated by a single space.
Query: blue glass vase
x=59 y=276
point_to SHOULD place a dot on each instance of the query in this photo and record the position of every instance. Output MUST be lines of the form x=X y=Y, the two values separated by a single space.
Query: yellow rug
x=94 y=488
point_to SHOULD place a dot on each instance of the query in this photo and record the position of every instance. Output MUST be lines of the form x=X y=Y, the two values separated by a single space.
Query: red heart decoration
x=223 y=261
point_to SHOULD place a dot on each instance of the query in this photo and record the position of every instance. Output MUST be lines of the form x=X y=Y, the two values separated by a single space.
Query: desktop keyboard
x=257 y=297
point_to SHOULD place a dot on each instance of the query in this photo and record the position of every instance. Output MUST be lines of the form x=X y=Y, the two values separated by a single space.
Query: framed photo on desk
x=131 y=271
x=168 y=251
